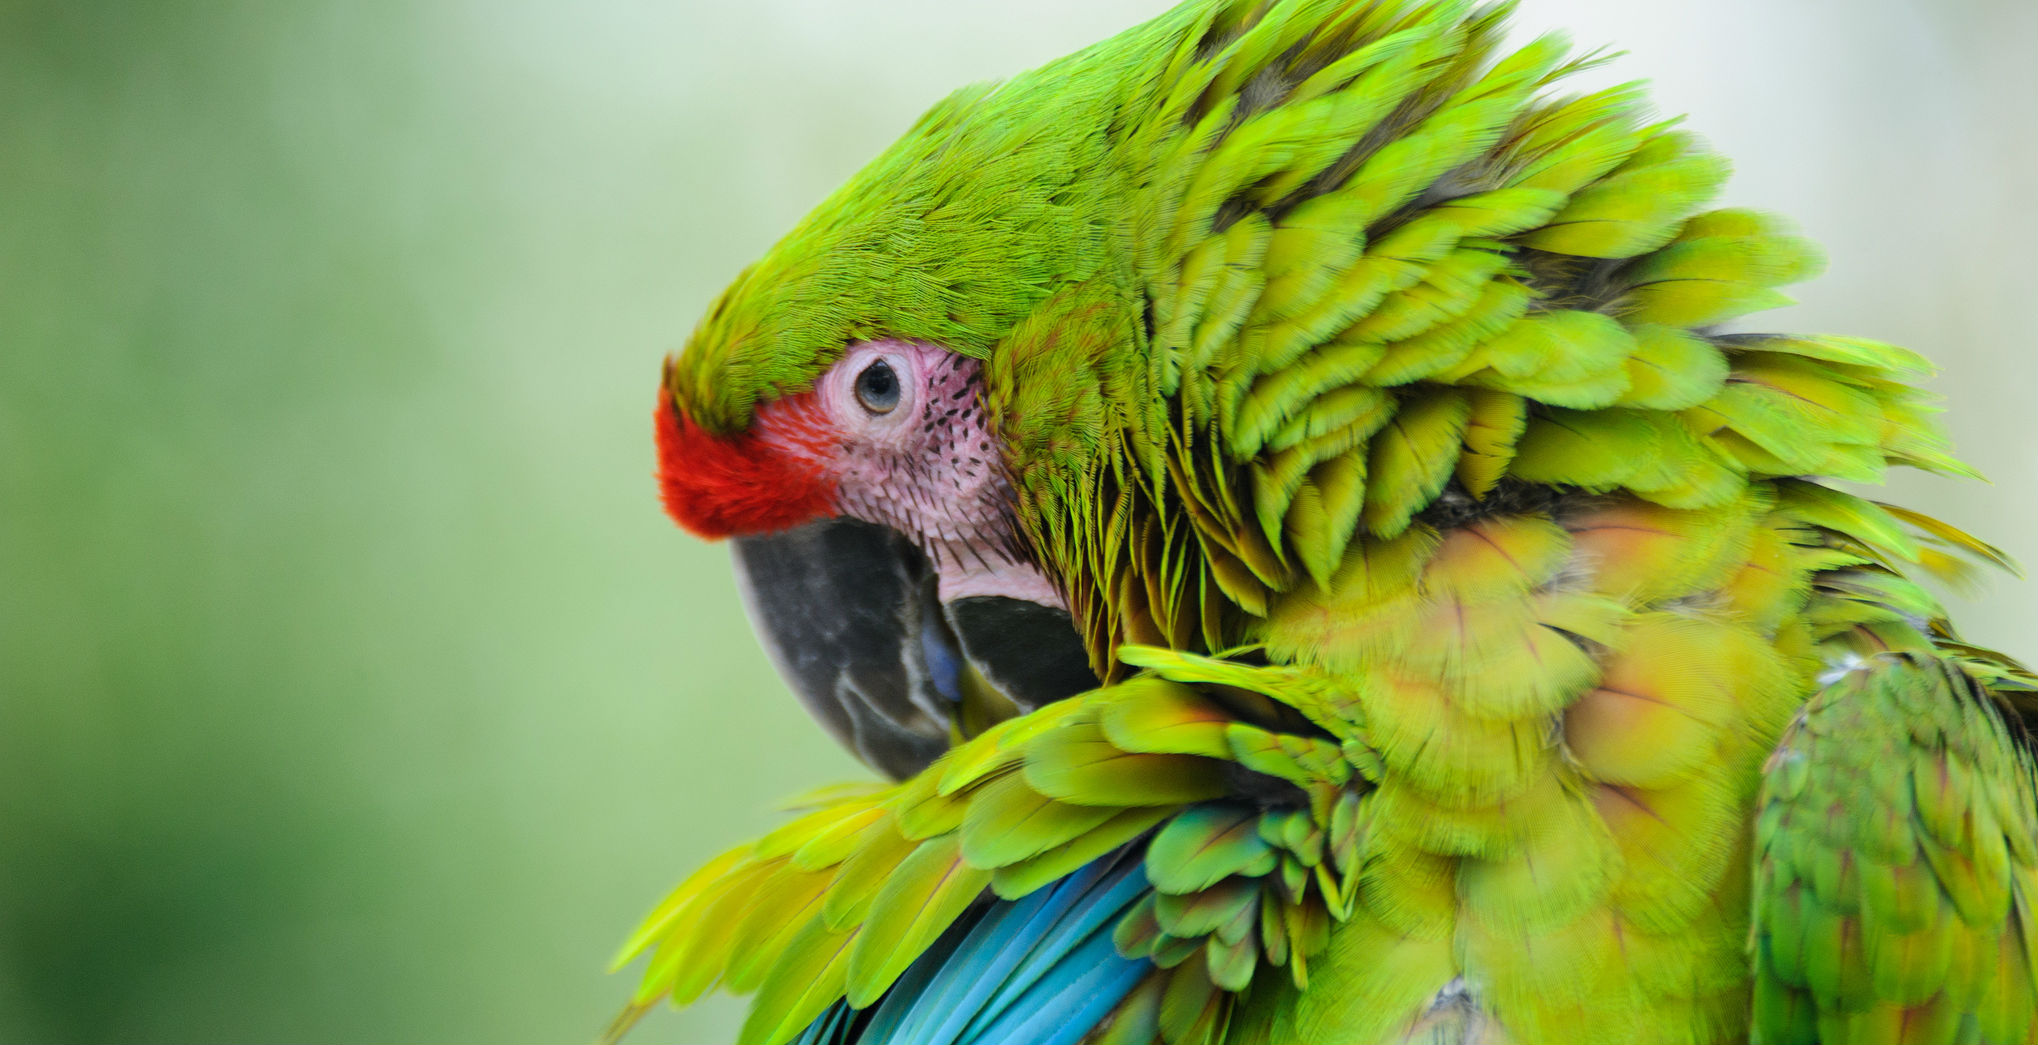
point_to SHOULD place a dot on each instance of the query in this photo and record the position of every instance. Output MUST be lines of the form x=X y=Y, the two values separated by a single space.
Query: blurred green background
x=352 y=687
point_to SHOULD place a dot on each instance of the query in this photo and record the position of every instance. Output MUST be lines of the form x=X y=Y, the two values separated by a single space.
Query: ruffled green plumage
x=872 y=925
x=1895 y=868
x=1454 y=579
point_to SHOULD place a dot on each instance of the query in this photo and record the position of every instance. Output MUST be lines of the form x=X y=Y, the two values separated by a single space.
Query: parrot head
x=874 y=532
x=834 y=416
x=895 y=434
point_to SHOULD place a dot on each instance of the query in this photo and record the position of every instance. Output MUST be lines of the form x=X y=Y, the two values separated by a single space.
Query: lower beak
x=849 y=611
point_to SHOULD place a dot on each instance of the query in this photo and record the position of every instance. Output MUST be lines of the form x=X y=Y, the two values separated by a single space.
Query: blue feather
x=923 y=979
x=1070 y=999
x=997 y=950
x=829 y=1028
x=1097 y=913
x=1038 y=969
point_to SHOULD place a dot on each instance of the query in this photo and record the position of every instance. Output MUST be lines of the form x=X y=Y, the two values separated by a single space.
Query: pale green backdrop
x=352 y=687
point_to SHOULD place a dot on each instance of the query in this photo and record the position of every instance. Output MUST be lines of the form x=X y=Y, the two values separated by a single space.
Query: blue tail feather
x=1048 y=929
x=1065 y=1004
x=1081 y=918
x=1038 y=969
x=829 y=1028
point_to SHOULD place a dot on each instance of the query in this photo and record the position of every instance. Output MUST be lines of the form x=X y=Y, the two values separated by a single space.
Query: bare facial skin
x=916 y=454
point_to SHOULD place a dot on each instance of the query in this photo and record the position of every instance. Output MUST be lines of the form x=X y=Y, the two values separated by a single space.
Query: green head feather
x=995 y=197
x=1256 y=280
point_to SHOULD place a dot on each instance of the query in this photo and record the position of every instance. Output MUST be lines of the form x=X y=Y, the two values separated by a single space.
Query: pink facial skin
x=929 y=468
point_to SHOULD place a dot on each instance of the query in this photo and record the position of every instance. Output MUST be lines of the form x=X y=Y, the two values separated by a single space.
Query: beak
x=849 y=612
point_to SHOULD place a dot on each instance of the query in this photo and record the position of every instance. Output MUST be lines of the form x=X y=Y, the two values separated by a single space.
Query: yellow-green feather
x=1452 y=579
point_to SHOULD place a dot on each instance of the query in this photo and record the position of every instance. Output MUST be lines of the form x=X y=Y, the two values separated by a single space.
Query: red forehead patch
x=727 y=486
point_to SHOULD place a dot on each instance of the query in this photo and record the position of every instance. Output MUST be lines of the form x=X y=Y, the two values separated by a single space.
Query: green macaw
x=1272 y=491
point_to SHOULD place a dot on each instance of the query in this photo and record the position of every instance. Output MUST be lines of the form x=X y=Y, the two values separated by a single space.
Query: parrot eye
x=877 y=388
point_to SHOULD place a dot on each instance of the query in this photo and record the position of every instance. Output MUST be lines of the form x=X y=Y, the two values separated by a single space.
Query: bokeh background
x=352 y=687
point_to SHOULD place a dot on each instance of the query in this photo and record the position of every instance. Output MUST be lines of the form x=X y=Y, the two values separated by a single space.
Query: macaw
x=1273 y=493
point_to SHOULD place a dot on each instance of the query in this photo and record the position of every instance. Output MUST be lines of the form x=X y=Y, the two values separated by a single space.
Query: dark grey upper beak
x=849 y=612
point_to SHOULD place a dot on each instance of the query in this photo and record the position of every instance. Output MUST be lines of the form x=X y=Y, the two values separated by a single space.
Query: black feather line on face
x=946 y=487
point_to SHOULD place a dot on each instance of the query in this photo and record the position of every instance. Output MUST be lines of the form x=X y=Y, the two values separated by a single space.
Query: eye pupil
x=877 y=388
